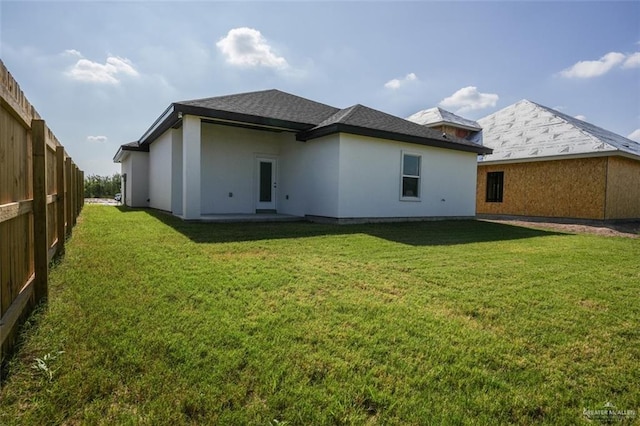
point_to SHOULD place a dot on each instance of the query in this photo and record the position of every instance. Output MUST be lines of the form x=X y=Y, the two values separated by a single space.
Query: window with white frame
x=410 y=176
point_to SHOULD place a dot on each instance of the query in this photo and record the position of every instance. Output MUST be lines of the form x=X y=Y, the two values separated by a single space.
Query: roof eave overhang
x=123 y=150
x=120 y=154
x=245 y=125
x=172 y=117
x=242 y=118
x=559 y=157
x=383 y=134
x=168 y=119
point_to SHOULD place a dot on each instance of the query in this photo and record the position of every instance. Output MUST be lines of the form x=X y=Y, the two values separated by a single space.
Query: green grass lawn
x=156 y=321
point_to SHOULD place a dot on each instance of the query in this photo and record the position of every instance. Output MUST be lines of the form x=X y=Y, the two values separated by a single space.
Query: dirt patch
x=102 y=201
x=626 y=229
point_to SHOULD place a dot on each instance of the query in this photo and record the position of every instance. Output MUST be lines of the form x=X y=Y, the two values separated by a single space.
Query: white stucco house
x=270 y=151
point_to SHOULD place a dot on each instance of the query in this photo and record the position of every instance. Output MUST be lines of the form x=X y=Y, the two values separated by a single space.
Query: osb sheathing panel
x=453 y=131
x=562 y=188
x=623 y=189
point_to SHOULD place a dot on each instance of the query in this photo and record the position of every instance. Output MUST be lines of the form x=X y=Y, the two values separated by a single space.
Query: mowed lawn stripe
x=157 y=321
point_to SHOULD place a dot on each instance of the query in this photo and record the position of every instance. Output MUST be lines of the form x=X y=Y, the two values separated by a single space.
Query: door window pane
x=265 y=182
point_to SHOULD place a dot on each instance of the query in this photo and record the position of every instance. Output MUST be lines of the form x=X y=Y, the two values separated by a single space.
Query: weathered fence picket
x=40 y=198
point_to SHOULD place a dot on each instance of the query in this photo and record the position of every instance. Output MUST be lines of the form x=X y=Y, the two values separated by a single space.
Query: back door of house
x=266 y=184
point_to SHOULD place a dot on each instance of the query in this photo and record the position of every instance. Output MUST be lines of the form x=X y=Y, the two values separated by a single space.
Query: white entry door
x=266 y=184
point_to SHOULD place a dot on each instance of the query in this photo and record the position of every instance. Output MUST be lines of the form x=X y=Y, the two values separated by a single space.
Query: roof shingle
x=367 y=121
x=272 y=104
x=307 y=118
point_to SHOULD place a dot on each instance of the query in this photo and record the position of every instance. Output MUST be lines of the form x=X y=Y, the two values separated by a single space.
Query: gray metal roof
x=527 y=130
x=437 y=116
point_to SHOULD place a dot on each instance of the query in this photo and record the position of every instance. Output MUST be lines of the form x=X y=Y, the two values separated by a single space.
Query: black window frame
x=495 y=187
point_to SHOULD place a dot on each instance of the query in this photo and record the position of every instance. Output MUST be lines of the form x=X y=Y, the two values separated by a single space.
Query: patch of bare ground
x=102 y=201
x=626 y=229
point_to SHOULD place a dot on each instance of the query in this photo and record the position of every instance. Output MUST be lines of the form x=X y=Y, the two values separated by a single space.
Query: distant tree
x=102 y=186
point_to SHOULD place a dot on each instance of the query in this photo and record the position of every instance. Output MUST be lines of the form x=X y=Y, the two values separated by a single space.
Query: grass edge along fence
x=41 y=195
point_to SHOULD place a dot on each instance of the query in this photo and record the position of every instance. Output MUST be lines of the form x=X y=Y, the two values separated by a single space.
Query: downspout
x=124 y=189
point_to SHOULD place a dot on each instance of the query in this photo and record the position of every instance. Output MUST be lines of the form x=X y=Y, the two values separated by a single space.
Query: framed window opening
x=495 y=187
x=410 y=184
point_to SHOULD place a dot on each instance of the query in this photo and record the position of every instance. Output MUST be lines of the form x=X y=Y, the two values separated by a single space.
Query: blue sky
x=101 y=72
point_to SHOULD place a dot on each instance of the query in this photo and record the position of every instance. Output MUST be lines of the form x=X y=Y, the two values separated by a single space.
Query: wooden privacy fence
x=41 y=195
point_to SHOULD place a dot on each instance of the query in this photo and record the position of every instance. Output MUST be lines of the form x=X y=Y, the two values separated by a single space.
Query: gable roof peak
x=251 y=94
x=437 y=116
x=271 y=104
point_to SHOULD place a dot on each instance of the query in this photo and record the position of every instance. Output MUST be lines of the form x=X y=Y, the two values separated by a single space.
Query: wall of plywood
x=623 y=189
x=454 y=131
x=573 y=188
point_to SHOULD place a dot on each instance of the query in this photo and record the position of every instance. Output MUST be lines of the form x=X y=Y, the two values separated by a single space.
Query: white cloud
x=588 y=69
x=632 y=61
x=94 y=72
x=635 y=135
x=581 y=117
x=469 y=99
x=396 y=83
x=72 y=52
x=246 y=47
x=97 y=139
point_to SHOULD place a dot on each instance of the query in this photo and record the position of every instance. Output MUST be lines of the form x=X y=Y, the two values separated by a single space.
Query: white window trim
x=418 y=197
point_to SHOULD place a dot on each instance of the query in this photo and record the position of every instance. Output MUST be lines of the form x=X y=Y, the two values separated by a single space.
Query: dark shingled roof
x=270 y=104
x=307 y=118
x=366 y=121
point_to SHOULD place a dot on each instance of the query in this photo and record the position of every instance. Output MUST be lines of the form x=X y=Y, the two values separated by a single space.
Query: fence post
x=40 y=255
x=82 y=189
x=60 y=198
x=68 y=195
x=79 y=191
x=74 y=191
